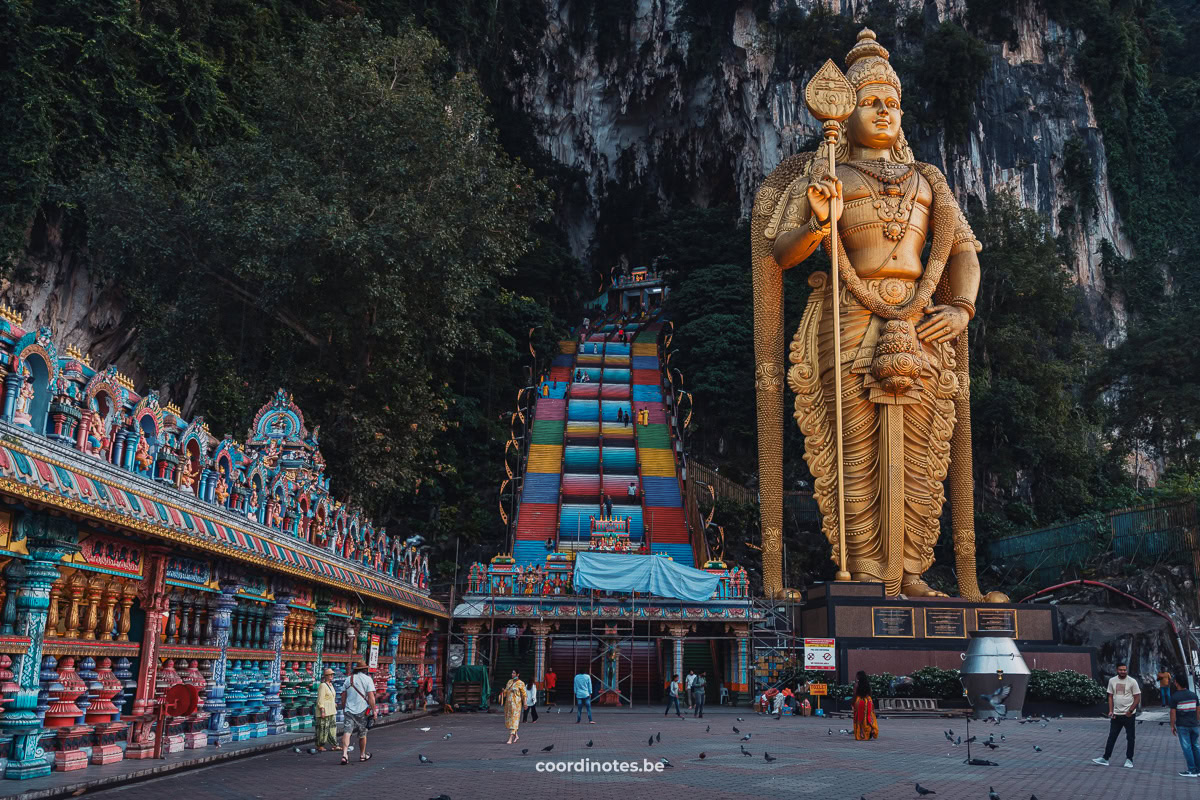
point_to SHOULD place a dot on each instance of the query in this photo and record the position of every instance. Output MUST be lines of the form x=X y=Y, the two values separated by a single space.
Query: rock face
x=642 y=116
x=633 y=109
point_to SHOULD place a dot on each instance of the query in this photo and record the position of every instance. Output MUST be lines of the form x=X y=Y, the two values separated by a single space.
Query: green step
x=548 y=431
x=654 y=436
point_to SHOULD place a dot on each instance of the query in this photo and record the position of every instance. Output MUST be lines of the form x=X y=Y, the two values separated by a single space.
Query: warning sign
x=820 y=654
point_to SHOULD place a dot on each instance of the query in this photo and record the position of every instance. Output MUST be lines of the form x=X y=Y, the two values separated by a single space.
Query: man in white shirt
x=359 y=700
x=1124 y=696
x=688 y=681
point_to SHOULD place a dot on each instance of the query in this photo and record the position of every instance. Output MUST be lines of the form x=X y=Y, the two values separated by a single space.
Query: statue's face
x=875 y=122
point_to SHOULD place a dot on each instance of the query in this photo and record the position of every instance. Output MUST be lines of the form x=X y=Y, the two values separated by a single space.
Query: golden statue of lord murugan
x=905 y=418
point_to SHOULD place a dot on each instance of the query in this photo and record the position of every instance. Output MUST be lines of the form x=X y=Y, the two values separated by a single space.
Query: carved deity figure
x=96 y=442
x=274 y=517
x=141 y=455
x=903 y=348
x=189 y=475
x=21 y=415
x=221 y=491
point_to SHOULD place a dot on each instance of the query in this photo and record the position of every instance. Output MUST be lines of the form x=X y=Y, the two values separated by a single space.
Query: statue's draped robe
x=896 y=433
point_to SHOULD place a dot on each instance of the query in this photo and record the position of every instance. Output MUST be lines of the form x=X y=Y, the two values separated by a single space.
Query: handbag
x=370 y=716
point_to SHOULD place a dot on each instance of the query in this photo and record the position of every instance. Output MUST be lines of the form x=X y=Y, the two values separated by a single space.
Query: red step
x=537 y=521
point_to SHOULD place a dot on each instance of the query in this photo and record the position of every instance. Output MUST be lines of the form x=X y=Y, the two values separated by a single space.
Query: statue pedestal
x=106 y=749
x=900 y=635
x=608 y=698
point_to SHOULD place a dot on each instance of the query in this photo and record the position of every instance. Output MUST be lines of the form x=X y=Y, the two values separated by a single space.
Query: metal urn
x=994 y=675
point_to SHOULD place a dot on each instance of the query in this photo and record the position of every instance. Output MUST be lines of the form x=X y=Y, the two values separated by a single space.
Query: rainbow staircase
x=579 y=451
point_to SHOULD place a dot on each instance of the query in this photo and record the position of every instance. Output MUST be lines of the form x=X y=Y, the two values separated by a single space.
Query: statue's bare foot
x=915 y=587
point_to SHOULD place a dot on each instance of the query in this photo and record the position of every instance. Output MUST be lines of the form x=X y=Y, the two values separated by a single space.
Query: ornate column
x=30 y=582
x=12 y=386
x=541 y=630
x=278 y=616
x=393 y=645
x=678 y=632
x=320 y=619
x=742 y=673
x=471 y=631
x=214 y=704
x=153 y=596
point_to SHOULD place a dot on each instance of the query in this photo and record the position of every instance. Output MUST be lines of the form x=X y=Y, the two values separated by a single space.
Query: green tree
x=1038 y=445
x=347 y=249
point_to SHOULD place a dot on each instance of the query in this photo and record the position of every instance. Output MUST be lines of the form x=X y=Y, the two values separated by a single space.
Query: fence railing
x=1143 y=535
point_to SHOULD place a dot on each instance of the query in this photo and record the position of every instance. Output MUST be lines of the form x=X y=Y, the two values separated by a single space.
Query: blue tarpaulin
x=620 y=572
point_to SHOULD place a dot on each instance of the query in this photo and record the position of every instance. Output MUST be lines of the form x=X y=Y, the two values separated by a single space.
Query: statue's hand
x=825 y=196
x=942 y=323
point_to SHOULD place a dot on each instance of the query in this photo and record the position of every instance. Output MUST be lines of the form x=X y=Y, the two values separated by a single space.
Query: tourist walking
x=583 y=696
x=359 y=705
x=698 y=687
x=530 y=709
x=1124 y=695
x=549 y=684
x=673 y=696
x=608 y=504
x=632 y=486
x=1164 y=688
x=326 y=713
x=866 y=726
x=689 y=681
x=1186 y=725
x=512 y=700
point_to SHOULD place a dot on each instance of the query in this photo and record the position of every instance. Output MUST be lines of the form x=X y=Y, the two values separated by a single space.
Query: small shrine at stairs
x=138 y=552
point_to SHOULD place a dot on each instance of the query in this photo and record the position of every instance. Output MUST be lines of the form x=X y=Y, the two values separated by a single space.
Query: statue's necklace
x=894 y=203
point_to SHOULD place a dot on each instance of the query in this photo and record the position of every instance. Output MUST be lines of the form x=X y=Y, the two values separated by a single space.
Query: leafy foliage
x=352 y=249
x=1064 y=686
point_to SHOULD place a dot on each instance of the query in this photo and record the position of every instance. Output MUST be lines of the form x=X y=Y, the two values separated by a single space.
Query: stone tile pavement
x=475 y=764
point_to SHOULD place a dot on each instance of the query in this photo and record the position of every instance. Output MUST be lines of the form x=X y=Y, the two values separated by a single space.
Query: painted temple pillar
x=12 y=387
x=278 y=616
x=678 y=633
x=320 y=620
x=214 y=704
x=471 y=633
x=155 y=602
x=29 y=582
x=541 y=633
x=393 y=646
x=741 y=672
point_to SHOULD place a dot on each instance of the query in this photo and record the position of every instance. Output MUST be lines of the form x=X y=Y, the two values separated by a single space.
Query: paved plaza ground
x=475 y=763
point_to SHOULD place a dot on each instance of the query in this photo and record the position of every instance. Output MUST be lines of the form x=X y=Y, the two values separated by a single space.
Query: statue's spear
x=831 y=99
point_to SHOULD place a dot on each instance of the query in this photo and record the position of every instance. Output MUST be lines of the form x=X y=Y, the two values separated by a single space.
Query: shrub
x=944 y=684
x=1065 y=686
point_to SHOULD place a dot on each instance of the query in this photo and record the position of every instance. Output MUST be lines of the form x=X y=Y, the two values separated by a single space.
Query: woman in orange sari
x=866 y=726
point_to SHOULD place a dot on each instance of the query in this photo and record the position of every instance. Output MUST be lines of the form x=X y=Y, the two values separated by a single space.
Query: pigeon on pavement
x=666 y=763
x=650 y=743
x=658 y=737
x=735 y=729
x=992 y=794
x=548 y=748
x=423 y=759
x=1037 y=749
x=921 y=790
x=746 y=738
x=448 y=735
x=768 y=757
x=703 y=756
x=589 y=744
x=524 y=751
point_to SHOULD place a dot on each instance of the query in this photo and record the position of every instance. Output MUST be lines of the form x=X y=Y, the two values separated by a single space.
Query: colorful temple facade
x=604 y=471
x=138 y=551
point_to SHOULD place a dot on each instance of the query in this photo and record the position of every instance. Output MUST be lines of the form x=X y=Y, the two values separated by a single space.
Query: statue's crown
x=867 y=62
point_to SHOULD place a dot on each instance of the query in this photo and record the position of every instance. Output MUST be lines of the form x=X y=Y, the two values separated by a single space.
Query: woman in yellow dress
x=513 y=700
x=866 y=726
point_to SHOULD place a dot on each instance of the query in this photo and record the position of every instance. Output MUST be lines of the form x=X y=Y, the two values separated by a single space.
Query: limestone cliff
x=641 y=113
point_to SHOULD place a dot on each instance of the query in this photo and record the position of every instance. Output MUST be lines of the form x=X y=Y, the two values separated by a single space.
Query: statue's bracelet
x=816 y=227
x=965 y=304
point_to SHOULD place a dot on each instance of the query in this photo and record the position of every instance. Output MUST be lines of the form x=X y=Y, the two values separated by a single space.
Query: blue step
x=527 y=553
x=645 y=362
x=616 y=349
x=593 y=373
x=646 y=394
x=620 y=461
x=661 y=492
x=540 y=487
x=557 y=391
x=583 y=410
x=609 y=409
x=582 y=458
x=616 y=375
x=679 y=553
x=563 y=360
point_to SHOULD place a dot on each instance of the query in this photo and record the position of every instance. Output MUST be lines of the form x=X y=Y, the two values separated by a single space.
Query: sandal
x=345 y=761
x=365 y=757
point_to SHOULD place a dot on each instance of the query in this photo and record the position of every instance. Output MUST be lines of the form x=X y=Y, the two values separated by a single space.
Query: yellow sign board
x=818 y=689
